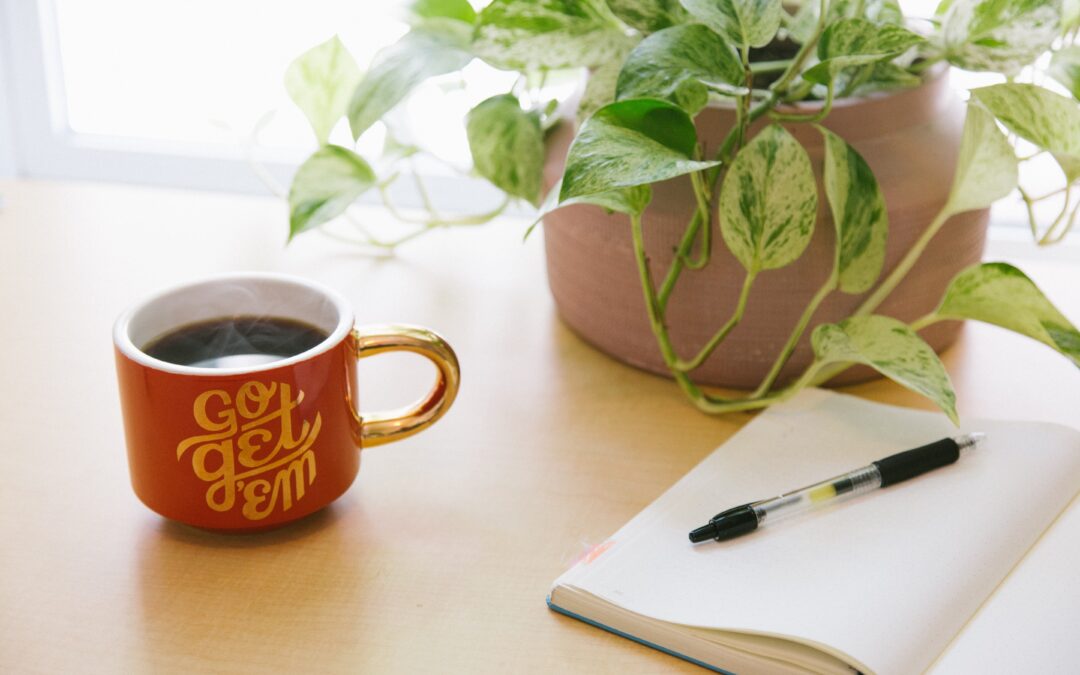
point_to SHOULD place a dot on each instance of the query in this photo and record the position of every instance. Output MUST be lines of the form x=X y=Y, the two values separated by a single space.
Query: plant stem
x=762 y=67
x=1050 y=236
x=793 y=340
x=652 y=306
x=821 y=114
x=924 y=321
x=719 y=336
x=701 y=193
x=804 y=51
x=904 y=266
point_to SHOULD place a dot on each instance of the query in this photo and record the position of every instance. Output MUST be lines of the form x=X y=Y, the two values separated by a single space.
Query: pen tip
x=970 y=441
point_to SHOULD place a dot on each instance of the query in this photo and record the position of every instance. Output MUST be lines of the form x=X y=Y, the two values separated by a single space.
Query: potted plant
x=752 y=194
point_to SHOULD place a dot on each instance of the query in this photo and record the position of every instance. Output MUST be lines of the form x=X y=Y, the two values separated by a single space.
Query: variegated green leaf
x=858 y=211
x=674 y=63
x=856 y=42
x=325 y=185
x=998 y=35
x=399 y=68
x=628 y=143
x=746 y=23
x=458 y=10
x=986 y=170
x=801 y=27
x=768 y=202
x=893 y=349
x=631 y=201
x=507 y=146
x=1002 y=295
x=648 y=16
x=599 y=90
x=533 y=34
x=1065 y=68
x=320 y=82
x=1049 y=120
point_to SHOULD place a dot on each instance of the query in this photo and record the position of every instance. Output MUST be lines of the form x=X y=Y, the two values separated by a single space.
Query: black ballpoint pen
x=893 y=469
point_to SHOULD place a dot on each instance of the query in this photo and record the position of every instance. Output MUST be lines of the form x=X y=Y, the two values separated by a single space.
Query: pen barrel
x=826 y=492
x=910 y=463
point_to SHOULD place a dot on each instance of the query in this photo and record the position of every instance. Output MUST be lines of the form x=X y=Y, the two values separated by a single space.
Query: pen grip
x=911 y=463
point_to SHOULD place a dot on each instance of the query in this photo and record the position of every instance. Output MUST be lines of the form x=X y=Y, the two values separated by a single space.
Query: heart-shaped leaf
x=325 y=185
x=1065 y=68
x=320 y=82
x=745 y=23
x=986 y=169
x=533 y=34
x=1047 y=119
x=673 y=64
x=891 y=348
x=768 y=202
x=507 y=146
x=1000 y=294
x=998 y=35
x=859 y=215
x=856 y=42
x=628 y=143
x=648 y=16
x=399 y=68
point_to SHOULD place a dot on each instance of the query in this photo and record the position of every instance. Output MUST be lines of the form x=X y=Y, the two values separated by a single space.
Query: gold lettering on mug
x=252 y=448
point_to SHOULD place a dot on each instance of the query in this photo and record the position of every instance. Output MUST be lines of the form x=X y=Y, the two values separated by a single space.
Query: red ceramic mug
x=249 y=448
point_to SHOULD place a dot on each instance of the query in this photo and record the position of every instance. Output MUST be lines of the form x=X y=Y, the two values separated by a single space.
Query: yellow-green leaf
x=325 y=185
x=1047 y=119
x=320 y=82
x=528 y=35
x=676 y=63
x=998 y=35
x=986 y=169
x=399 y=68
x=745 y=23
x=1000 y=294
x=893 y=349
x=507 y=146
x=856 y=42
x=1065 y=68
x=628 y=143
x=859 y=215
x=768 y=202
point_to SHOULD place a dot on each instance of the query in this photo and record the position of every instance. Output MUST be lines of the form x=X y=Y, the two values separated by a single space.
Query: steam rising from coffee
x=236 y=325
x=235 y=342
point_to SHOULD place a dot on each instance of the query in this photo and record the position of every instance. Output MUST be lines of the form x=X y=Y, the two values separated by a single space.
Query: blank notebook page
x=886 y=579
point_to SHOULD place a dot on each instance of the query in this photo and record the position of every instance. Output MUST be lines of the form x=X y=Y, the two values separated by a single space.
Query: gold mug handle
x=394 y=425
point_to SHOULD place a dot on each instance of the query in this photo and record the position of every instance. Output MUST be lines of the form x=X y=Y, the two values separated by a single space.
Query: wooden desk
x=440 y=556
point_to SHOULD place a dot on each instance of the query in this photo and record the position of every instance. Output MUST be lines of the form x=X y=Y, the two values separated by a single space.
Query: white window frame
x=45 y=145
x=42 y=145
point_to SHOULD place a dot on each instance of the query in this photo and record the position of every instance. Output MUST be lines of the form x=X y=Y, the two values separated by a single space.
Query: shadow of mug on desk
x=239 y=398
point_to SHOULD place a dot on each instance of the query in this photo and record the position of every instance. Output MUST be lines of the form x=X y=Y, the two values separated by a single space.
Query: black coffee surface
x=235 y=342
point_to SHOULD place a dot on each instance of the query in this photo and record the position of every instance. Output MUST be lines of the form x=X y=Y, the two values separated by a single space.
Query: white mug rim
x=123 y=342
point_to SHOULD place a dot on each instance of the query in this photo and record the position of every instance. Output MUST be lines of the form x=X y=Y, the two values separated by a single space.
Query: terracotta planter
x=909 y=138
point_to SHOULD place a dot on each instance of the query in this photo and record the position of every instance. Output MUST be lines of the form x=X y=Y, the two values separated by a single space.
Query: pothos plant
x=655 y=64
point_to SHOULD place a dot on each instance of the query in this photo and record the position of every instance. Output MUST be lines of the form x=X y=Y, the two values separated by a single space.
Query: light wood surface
x=440 y=556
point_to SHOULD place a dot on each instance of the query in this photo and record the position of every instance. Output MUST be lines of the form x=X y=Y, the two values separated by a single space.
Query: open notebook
x=974 y=567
